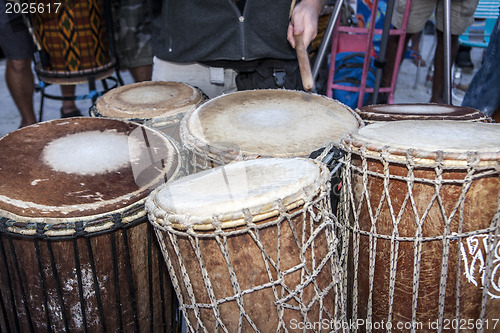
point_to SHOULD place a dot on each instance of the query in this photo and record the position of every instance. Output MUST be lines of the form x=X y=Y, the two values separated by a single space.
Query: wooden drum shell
x=250 y=270
x=481 y=204
x=266 y=268
x=53 y=282
x=422 y=225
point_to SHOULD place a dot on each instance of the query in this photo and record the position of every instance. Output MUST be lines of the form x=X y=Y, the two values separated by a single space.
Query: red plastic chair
x=353 y=39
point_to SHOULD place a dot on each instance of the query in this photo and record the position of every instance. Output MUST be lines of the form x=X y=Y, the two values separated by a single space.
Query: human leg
x=20 y=82
x=461 y=15
x=18 y=48
x=133 y=36
x=437 y=95
x=69 y=108
x=141 y=73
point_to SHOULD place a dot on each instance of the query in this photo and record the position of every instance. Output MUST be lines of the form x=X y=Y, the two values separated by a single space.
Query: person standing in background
x=229 y=45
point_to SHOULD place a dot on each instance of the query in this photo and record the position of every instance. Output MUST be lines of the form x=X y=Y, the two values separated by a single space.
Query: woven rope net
x=421 y=239
x=267 y=275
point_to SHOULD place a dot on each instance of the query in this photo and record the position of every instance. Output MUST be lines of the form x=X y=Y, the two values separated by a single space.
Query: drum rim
x=422 y=157
x=193 y=142
x=174 y=172
x=462 y=113
x=162 y=219
x=74 y=77
x=64 y=227
x=166 y=115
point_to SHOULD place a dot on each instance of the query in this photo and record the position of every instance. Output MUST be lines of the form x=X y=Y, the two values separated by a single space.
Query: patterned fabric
x=75 y=37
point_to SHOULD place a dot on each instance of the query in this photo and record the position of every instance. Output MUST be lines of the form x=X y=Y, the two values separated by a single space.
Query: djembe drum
x=392 y=112
x=156 y=104
x=262 y=123
x=76 y=251
x=250 y=247
x=73 y=37
x=422 y=218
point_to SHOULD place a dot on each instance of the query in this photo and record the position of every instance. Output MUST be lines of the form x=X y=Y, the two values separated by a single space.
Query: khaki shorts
x=196 y=75
x=461 y=14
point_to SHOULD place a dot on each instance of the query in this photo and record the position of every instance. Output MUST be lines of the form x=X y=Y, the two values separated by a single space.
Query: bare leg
x=141 y=73
x=438 y=81
x=19 y=78
x=415 y=47
x=68 y=106
x=392 y=47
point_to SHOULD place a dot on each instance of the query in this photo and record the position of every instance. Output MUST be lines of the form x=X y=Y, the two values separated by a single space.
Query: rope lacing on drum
x=356 y=176
x=316 y=221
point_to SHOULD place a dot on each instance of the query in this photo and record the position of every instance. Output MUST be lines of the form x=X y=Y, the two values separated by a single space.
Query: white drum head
x=272 y=123
x=426 y=138
x=226 y=191
x=433 y=135
x=146 y=100
x=78 y=168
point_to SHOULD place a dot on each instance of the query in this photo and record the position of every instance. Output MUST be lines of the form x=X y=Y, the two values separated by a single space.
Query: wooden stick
x=304 y=65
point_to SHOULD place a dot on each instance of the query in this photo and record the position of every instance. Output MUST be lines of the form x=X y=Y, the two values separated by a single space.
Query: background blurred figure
x=17 y=46
x=461 y=16
x=132 y=24
x=483 y=93
x=18 y=49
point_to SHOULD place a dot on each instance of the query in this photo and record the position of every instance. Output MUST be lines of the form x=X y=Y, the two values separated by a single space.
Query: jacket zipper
x=241 y=19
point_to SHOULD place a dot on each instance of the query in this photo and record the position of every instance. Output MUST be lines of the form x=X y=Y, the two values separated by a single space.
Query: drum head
x=454 y=139
x=65 y=169
x=272 y=123
x=391 y=112
x=146 y=100
x=226 y=191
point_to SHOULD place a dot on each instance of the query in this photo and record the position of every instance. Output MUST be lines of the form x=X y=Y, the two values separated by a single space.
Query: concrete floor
x=410 y=89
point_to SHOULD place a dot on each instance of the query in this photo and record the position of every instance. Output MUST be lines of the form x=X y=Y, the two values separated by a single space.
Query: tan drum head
x=146 y=100
x=392 y=112
x=227 y=191
x=454 y=139
x=272 y=123
x=64 y=169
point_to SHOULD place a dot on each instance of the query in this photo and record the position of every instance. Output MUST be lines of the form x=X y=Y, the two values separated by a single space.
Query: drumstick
x=304 y=66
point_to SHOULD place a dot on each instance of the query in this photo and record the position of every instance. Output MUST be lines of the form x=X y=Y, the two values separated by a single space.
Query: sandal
x=415 y=57
x=72 y=113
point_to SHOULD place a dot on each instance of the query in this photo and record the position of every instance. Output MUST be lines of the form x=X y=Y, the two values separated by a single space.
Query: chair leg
x=40 y=113
x=92 y=90
x=105 y=85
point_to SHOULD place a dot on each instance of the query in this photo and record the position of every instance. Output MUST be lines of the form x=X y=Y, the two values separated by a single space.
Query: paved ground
x=412 y=87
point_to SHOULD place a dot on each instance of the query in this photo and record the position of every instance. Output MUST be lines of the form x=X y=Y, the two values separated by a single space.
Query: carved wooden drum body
x=262 y=123
x=250 y=246
x=419 y=111
x=76 y=251
x=421 y=205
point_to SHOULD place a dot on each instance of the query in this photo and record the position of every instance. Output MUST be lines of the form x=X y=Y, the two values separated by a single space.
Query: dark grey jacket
x=212 y=30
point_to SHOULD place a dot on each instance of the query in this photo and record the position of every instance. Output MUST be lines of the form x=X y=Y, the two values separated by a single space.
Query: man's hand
x=304 y=21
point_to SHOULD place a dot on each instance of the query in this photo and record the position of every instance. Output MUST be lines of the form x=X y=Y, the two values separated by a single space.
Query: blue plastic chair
x=478 y=34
